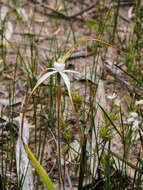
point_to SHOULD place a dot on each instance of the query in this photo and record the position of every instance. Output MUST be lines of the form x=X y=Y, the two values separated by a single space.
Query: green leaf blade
x=48 y=183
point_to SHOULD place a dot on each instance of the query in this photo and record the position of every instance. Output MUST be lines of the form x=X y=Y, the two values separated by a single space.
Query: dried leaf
x=23 y=166
x=3 y=12
x=57 y=31
x=130 y=13
x=22 y=13
x=100 y=66
x=7 y=76
x=9 y=31
x=39 y=20
x=111 y=56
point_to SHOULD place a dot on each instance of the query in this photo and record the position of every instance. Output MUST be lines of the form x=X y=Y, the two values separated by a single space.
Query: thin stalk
x=82 y=164
x=92 y=39
x=3 y=47
x=59 y=135
x=2 y=158
x=115 y=21
x=108 y=170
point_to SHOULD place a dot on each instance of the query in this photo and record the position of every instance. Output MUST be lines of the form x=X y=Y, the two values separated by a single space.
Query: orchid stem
x=92 y=39
x=59 y=135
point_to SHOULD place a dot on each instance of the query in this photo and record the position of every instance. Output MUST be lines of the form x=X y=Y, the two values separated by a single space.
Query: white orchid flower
x=59 y=67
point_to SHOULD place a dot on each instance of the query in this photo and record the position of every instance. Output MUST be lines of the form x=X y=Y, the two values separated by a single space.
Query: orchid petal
x=45 y=71
x=67 y=82
x=42 y=79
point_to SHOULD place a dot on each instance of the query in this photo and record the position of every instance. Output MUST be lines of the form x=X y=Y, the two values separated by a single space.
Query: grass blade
x=110 y=120
x=82 y=164
x=127 y=162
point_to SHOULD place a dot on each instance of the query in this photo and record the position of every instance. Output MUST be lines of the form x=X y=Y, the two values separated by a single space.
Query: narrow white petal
x=45 y=71
x=66 y=80
x=42 y=79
